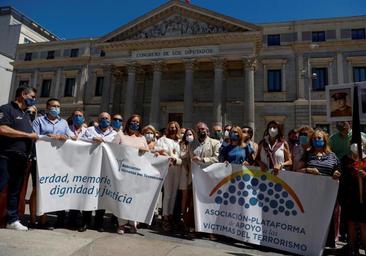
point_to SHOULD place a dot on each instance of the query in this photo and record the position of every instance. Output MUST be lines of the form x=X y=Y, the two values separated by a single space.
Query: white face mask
x=189 y=138
x=226 y=134
x=273 y=132
x=149 y=136
x=354 y=148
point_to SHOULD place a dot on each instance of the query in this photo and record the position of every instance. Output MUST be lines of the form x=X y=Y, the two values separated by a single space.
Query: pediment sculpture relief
x=178 y=26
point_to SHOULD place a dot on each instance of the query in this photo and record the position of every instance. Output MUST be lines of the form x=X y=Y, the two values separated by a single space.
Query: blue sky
x=93 y=18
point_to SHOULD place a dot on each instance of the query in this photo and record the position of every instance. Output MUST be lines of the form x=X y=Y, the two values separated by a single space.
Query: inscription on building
x=176 y=52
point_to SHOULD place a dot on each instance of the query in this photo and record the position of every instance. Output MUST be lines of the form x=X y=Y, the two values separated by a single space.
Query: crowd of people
x=304 y=150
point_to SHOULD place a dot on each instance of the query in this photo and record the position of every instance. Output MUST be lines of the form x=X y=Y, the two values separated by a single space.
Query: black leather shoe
x=83 y=228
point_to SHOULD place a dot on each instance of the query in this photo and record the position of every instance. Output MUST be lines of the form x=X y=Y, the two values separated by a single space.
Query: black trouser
x=12 y=169
x=98 y=221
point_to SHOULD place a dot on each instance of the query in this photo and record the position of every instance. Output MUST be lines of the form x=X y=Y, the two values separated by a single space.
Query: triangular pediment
x=177 y=19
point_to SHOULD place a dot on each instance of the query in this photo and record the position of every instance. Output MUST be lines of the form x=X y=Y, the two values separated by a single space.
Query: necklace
x=319 y=155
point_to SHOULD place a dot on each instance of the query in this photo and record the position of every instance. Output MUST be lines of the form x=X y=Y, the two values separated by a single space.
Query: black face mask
x=202 y=135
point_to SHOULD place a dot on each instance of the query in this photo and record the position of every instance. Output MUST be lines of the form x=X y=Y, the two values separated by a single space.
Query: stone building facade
x=186 y=63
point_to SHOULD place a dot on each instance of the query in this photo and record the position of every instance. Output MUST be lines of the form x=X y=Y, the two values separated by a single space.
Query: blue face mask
x=78 y=120
x=104 y=123
x=116 y=124
x=30 y=102
x=134 y=126
x=303 y=140
x=55 y=112
x=318 y=143
x=233 y=136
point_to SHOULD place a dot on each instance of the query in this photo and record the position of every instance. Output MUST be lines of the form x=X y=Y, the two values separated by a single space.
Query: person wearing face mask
x=234 y=153
x=217 y=133
x=117 y=122
x=353 y=211
x=248 y=140
x=16 y=139
x=169 y=143
x=292 y=139
x=52 y=125
x=186 y=179
x=149 y=133
x=132 y=137
x=102 y=133
x=204 y=150
x=305 y=133
x=320 y=160
x=273 y=151
x=77 y=127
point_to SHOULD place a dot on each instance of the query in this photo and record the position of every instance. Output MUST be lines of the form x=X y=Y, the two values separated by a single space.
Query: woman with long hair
x=234 y=152
x=273 y=150
x=131 y=137
x=170 y=145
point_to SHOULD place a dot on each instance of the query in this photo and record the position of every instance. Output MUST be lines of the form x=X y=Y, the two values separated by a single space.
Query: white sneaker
x=16 y=225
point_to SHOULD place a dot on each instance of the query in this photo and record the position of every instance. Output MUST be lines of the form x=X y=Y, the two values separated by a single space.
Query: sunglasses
x=117 y=119
x=31 y=112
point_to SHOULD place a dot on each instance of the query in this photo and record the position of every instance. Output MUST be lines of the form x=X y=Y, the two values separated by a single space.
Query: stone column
x=340 y=75
x=155 y=94
x=249 y=107
x=35 y=79
x=106 y=93
x=301 y=78
x=14 y=86
x=56 y=92
x=130 y=92
x=188 y=94
x=218 y=85
x=83 y=78
x=117 y=90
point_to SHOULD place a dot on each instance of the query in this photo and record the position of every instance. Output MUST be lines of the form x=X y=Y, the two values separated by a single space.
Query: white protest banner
x=84 y=176
x=289 y=212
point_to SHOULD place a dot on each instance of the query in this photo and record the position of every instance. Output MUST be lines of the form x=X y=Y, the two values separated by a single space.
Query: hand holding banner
x=84 y=176
x=290 y=212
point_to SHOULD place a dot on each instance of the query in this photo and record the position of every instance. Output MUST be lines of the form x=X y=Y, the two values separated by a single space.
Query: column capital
x=132 y=67
x=189 y=64
x=158 y=65
x=219 y=63
x=250 y=62
x=117 y=72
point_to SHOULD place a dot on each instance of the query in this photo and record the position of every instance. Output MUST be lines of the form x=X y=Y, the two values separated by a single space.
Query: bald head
x=104 y=115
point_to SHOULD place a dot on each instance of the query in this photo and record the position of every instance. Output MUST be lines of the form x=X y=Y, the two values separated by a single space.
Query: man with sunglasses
x=16 y=138
x=117 y=122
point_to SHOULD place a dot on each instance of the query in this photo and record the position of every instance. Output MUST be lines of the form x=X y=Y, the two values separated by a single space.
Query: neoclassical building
x=186 y=63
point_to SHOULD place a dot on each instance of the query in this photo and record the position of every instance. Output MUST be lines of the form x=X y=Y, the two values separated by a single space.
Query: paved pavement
x=63 y=242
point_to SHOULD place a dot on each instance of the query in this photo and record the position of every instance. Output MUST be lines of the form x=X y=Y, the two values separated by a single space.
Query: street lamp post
x=311 y=77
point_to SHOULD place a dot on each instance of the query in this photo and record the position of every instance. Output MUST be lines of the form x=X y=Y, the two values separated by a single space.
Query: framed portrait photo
x=339 y=102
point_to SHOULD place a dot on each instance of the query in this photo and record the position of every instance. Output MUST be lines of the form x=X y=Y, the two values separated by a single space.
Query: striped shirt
x=326 y=164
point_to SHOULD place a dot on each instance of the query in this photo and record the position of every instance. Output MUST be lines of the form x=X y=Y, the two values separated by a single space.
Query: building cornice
x=328 y=45
x=42 y=45
x=60 y=62
x=157 y=43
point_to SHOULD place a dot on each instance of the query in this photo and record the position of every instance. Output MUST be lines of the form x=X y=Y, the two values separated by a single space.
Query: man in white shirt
x=102 y=133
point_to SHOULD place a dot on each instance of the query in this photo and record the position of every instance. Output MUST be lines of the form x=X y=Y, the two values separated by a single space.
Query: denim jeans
x=12 y=174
